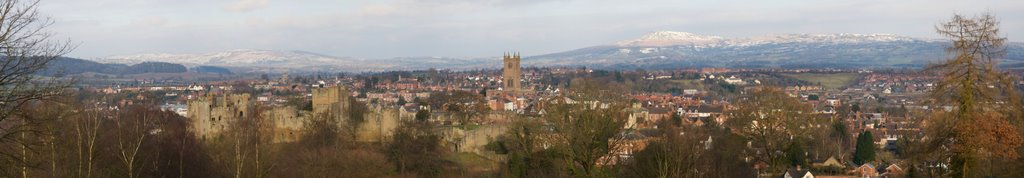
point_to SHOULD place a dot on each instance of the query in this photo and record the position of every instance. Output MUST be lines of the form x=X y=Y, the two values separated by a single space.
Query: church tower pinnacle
x=511 y=72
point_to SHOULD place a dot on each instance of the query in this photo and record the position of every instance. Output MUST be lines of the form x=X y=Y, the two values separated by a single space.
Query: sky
x=475 y=28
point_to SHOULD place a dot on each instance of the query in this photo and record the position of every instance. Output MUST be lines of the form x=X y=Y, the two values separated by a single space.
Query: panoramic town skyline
x=453 y=28
x=599 y=88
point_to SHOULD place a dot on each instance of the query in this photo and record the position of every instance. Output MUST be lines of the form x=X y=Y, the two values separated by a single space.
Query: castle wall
x=209 y=115
x=380 y=121
x=475 y=139
x=200 y=116
x=330 y=99
x=380 y=124
x=287 y=122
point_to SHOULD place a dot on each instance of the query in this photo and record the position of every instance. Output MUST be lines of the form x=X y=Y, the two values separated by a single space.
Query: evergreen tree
x=401 y=101
x=796 y=154
x=676 y=119
x=865 y=148
x=840 y=133
x=422 y=115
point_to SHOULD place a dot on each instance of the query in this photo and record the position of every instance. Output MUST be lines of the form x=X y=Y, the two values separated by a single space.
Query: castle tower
x=210 y=114
x=511 y=73
x=330 y=99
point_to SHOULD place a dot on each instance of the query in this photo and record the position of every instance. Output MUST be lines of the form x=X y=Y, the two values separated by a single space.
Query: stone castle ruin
x=330 y=99
x=210 y=115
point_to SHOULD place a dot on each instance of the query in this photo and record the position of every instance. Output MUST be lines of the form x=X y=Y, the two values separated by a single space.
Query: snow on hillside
x=238 y=57
x=668 y=49
x=298 y=60
x=671 y=38
x=659 y=49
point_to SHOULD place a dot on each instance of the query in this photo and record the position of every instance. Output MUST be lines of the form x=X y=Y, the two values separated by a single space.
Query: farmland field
x=828 y=81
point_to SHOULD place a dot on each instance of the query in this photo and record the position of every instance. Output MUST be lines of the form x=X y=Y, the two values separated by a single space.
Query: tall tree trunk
x=181 y=157
x=24 y=157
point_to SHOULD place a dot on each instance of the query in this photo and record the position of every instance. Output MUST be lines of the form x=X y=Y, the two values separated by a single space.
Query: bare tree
x=245 y=145
x=415 y=148
x=25 y=49
x=678 y=154
x=87 y=129
x=588 y=130
x=41 y=134
x=321 y=130
x=983 y=123
x=132 y=131
x=520 y=142
x=467 y=107
x=770 y=119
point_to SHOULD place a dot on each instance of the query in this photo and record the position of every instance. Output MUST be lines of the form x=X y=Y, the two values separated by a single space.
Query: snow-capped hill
x=821 y=38
x=282 y=60
x=670 y=38
x=238 y=57
x=255 y=57
x=656 y=50
x=140 y=58
x=666 y=49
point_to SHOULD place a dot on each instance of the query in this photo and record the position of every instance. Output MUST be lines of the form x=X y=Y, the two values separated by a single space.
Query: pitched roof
x=660 y=110
x=793 y=172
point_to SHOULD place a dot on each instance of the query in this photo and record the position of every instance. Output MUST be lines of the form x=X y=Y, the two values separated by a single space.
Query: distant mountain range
x=667 y=49
x=657 y=50
x=244 y=58
x=280 y=61
x=64 y=66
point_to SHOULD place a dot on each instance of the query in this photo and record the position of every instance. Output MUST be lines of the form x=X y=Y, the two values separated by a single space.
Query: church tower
x=511 y=73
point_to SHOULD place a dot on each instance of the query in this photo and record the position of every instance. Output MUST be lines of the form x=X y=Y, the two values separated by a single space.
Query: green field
x=688 y=84
x=828 y=81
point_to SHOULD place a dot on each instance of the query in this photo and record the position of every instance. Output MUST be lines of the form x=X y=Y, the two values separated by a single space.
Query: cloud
x=245 y=5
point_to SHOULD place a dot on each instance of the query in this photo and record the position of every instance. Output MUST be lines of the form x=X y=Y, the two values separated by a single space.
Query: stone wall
x=287 y=122
x=380 y=124
x=209 y=115
x=474 y=140
x=330 y=99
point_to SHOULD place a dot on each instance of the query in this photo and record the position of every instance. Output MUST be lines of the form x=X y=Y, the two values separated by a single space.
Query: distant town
x=886 y=102
x=667 y=104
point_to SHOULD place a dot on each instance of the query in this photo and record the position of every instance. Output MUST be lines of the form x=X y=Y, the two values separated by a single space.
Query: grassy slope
x=474 y=162
x=829 y=81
